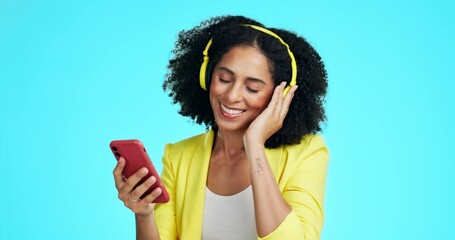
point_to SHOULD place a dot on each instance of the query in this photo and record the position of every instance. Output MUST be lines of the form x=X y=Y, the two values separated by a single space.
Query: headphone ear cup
x=208 y=77
x=203 y=73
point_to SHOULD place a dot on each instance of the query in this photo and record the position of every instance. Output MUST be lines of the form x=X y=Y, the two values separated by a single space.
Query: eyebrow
x=248 y=78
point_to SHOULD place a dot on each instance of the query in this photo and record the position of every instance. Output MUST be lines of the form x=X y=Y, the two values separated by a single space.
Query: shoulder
x=311 y=148
x=300 y=163
x=309 y=144
x=312 y=151
x=190 y=144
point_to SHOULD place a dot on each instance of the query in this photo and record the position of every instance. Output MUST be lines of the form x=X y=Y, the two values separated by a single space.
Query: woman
x=260 y=171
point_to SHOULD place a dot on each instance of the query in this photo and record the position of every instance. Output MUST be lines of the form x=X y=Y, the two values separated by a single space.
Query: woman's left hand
x=271 y=119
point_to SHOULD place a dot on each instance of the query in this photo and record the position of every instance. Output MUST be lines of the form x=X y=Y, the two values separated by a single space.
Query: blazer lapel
x=197 y=180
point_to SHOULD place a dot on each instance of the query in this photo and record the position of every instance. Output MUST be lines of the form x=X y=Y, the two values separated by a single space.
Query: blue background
x=76 y=74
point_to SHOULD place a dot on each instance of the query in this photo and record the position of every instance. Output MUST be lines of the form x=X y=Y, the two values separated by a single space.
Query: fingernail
x=122 y=162
x=143 y=170
x=152 y=178
x=148 y=181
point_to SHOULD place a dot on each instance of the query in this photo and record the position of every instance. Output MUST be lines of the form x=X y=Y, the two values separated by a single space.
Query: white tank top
x=229 y=217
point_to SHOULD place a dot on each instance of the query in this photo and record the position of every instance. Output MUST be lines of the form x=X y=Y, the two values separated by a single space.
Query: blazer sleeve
x=304 y=191
x=165 y=214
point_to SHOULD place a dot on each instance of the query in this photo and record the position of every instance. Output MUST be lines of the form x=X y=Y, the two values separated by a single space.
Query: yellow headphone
x=202 y=72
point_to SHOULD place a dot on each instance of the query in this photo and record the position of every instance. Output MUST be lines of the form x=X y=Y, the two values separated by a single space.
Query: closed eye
x=224 y=80
x=251 y=90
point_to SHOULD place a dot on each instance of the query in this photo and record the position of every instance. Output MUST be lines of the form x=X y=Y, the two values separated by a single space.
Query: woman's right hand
x=130 y=195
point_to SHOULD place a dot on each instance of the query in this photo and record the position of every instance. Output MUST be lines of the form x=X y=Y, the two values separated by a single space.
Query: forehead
x=246 y=61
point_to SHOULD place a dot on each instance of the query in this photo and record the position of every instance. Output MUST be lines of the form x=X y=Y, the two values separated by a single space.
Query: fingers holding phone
x=134 y=181
x=118 y=175
x=137 y=182
x=130 y=194
x=136 y=194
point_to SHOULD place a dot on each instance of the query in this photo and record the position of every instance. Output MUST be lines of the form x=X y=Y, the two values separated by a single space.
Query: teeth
x=231 y=111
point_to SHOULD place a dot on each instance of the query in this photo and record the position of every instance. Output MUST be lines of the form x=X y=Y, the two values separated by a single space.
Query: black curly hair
x=306 y=112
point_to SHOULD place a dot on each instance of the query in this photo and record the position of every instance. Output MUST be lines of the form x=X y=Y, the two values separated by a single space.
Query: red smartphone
x=136 y=157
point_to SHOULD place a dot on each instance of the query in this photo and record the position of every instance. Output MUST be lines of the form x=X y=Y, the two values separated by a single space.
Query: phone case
x=136 y=157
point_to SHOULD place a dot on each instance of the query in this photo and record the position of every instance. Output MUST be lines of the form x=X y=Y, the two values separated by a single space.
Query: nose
x=234 y=93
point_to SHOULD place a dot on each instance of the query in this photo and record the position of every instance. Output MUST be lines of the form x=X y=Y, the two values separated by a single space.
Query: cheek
x=215 y=93
x=260 y=102
x=215 y=88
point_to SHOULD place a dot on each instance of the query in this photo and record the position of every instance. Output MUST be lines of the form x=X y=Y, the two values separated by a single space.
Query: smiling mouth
x=230 y=112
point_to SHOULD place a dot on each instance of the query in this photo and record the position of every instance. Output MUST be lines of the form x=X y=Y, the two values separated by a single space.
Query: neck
x=229 y=143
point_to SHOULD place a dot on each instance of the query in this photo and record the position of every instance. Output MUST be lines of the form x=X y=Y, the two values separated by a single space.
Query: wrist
x=144 y=217
x=253 y=146
x=252 y=140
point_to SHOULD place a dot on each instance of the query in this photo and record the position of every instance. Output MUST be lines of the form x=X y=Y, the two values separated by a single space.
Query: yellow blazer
x=300 y=171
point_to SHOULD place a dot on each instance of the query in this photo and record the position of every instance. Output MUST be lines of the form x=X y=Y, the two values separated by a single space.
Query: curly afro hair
x=306 y=112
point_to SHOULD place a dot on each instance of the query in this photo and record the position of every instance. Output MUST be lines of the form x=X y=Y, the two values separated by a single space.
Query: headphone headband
x=203 y=69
